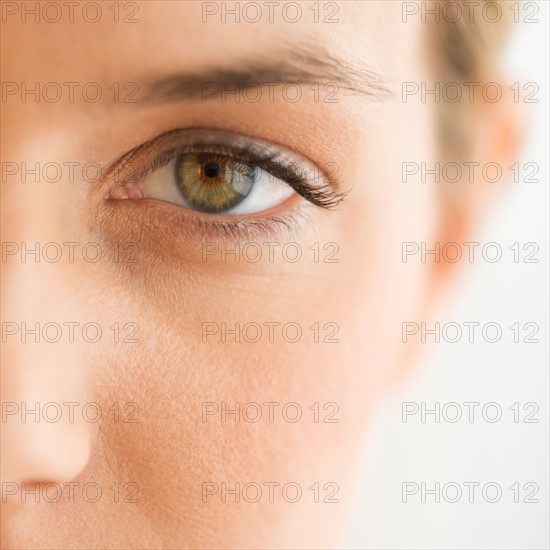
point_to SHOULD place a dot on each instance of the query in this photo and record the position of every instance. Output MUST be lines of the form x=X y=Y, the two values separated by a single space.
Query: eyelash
x=263 y=155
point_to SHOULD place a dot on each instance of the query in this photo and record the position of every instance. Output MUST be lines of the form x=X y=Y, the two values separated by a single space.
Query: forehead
x=128 y=40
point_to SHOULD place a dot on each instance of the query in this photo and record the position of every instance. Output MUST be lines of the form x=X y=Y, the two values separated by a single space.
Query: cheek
x=188 y=372
x=284 y=394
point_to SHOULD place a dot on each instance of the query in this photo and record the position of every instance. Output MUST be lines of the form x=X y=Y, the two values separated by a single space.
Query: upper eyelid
x=268 y=156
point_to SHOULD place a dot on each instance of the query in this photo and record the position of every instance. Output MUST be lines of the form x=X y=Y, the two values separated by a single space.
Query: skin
x=169 y=291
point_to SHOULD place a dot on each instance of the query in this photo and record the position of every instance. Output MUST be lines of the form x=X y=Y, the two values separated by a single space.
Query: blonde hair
x=465 y=50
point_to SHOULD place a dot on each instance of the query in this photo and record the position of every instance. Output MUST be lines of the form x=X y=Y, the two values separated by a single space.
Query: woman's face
x=185 y=260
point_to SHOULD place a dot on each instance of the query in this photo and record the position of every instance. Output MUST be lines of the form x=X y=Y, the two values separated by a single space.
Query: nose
x=45 y=438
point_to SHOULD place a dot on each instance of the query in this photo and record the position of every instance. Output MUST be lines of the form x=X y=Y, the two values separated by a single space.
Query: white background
x=504 y=452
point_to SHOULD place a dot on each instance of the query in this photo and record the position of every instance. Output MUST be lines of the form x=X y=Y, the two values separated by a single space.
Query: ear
x=495 y=132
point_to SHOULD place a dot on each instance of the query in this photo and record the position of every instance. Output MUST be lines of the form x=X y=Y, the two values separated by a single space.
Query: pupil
x=211 y=170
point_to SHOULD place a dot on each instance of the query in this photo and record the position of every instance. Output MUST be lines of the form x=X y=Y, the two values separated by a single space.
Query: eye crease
x=218 y=172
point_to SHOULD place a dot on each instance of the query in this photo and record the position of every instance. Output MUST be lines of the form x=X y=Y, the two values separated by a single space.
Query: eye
x=219 y=173
x=216 y=184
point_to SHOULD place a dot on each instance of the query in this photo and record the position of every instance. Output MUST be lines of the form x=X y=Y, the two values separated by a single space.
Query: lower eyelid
x=158 y=219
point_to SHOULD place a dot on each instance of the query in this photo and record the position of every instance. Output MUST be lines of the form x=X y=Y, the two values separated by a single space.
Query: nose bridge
x=44 y=435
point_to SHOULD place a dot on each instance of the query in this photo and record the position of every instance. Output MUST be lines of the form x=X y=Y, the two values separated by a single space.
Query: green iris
x=214 y=183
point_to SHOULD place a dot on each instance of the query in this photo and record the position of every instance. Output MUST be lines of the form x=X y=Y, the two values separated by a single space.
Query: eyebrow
x=300 y=66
